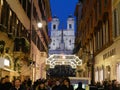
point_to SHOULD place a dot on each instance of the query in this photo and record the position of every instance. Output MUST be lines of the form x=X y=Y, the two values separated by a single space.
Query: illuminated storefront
x=107 y=64
x=96 y=76
x=6 y=68
x=99 y=74
x=118 y=72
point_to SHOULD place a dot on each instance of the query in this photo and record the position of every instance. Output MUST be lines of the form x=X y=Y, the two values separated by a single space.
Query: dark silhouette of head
x=80 y=85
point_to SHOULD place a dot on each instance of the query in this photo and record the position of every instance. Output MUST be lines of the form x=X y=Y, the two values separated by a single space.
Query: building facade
x=23 y=46
x=62 y=41
x=116 y=36
x=96 y=38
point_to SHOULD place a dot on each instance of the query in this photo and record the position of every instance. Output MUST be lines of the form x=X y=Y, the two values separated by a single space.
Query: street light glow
x=40 y=25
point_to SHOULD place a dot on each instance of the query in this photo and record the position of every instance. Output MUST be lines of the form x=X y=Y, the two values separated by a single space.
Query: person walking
x=7 y=84
x=66 y=85
x=57 y=85
x=18 y=85
x=2 y=83
x=41 y=86
x=80 y=86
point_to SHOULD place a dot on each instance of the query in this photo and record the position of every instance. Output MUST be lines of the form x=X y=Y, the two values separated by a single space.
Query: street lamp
x=39 y=25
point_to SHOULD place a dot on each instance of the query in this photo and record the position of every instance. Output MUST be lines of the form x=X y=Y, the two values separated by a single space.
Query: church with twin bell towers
x=62 y=40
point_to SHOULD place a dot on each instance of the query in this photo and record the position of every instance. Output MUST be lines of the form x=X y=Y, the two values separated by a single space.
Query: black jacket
x=7 y=86
x=21 y=88
x=67 y=88
x=57 y=87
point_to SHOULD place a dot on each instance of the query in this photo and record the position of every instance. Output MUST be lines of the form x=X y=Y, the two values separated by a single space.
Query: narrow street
x=59 y=44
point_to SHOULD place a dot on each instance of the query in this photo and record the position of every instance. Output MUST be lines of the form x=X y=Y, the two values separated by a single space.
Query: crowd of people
x=16 y=84
x=108 y=85
x=53 y=84
x=40 y=84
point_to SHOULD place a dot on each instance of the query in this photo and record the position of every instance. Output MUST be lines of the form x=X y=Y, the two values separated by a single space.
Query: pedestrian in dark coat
x=18 y=85
x=2 y=83
x=57 y=86
x=80 y=86
x=7 y=84
x=41 y=86
x=66 y=85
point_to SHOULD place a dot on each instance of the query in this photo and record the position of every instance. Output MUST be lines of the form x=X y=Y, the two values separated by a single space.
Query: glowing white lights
x=40 y=25
x=58 y=59
x=6 y=62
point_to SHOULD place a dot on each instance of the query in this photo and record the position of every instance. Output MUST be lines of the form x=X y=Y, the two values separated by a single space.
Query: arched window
x=54 y=26
x=100 y=7
x=105 y=3
x=70 y=42
x=70 y=26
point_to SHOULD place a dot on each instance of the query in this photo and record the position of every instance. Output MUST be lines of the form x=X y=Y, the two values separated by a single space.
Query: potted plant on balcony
x=26 y=48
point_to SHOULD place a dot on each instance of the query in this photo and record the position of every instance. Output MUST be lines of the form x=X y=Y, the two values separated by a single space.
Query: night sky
x=62 y=9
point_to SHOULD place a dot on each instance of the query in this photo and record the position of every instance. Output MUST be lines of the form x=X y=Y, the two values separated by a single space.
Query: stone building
x=115 y=64
x=23 y=46
x=95 y=40
x=62 y=40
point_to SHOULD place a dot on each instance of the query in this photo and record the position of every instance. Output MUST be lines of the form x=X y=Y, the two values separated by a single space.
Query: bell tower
x=55 y=23
x=70 y=22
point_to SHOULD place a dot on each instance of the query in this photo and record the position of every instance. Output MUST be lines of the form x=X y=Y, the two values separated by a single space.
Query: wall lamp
x=39 y=24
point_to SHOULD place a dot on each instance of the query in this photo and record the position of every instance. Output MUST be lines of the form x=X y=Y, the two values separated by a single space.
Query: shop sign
x=109 y=53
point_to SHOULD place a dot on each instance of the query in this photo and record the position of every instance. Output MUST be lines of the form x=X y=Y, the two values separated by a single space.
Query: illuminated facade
x=16 y=38
x=95 y=35
x=62 y=41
